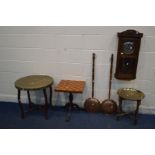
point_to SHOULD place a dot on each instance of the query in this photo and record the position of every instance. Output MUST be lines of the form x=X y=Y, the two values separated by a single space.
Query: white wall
x=66 y=53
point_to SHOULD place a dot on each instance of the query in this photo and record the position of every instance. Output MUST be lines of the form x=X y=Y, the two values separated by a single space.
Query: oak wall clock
x=127 y=54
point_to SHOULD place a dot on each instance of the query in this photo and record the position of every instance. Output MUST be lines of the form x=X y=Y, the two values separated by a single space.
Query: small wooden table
x=129 y=94
x=32 y=83
x=70 y=86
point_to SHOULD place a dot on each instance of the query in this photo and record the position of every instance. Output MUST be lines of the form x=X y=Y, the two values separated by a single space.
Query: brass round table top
x=34 y=82
x=130 y=94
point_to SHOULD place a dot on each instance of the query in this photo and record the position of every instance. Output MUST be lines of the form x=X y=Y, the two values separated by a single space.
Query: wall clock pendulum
x=127 y=54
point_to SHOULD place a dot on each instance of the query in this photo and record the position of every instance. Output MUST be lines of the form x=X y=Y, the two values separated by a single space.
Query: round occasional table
x=32 y=83
x=129 y=94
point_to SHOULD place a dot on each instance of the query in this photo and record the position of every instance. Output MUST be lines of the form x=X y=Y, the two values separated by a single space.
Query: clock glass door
x=128 y=47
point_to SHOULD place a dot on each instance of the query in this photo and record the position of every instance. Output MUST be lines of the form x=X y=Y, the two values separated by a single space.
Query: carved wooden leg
x=136 y=111
x=20 y=104
x=50 y=97
x=46 y=104
x=29 y=99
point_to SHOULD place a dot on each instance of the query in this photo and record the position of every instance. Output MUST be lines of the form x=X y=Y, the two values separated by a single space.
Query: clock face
x=128 y=47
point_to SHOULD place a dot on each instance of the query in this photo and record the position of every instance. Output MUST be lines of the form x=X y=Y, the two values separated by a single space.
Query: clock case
x=126 y=64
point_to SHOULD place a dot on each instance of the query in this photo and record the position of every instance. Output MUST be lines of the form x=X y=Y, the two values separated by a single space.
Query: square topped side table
x=70 y=86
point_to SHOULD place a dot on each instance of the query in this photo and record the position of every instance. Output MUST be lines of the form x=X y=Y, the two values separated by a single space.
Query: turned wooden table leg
x=70 y=99
x=29 y=99
x=120 y=105
x=136 y=111
x=46 y=104
x=119 y=109
x=50 y=96
x=20 y=104
x=69 y=106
